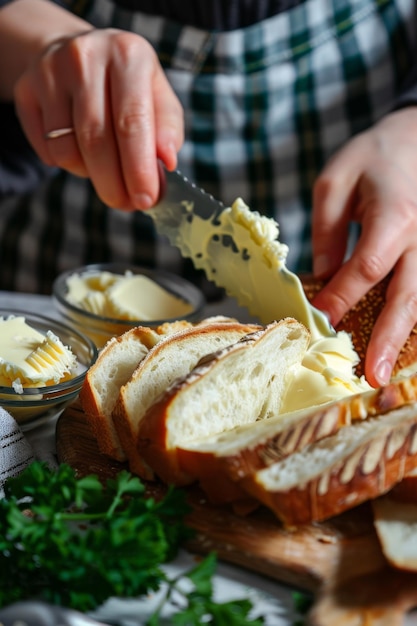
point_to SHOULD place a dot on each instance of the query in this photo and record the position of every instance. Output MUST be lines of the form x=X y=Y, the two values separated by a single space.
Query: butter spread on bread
x=326 y=374
x=126 y=297
x=29 y=358
x=240 y=384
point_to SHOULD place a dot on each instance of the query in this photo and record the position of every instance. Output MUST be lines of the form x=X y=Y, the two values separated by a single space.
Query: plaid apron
x=265 y=107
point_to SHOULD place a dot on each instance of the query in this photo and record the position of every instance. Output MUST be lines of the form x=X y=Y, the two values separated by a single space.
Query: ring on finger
x=59 y=132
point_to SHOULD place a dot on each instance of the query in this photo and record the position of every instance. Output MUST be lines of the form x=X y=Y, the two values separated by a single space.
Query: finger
x=169 y=122
x=93 y=122
x=377 y=251
x=395 y=322
x=134 y=125
x=44 y=104
x=333 y=197
x=65 y=151
x=30 y=117
x=55 y=103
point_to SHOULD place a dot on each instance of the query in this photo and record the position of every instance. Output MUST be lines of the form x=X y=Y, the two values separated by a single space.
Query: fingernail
x=321 y=265
x=143 y=201
x=383 y=372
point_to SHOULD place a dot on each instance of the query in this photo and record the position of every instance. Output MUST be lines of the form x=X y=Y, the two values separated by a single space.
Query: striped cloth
x=265 y=108
x=15 y=451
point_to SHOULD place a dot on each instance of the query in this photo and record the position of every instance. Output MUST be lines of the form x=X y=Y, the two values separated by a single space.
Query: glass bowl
x=36 y=403
x=100 y=328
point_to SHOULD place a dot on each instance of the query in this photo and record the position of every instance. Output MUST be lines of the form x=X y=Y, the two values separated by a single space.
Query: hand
x=109 y=86
x=371 y=181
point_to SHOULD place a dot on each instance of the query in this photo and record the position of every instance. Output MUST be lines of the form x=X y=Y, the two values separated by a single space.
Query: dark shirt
x=221 y=15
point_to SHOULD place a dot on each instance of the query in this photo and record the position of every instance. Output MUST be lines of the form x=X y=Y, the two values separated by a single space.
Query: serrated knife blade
x=181 y=200
x=237 y=253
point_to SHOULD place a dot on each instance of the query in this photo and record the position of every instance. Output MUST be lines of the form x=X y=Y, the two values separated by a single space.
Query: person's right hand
x=110 y=87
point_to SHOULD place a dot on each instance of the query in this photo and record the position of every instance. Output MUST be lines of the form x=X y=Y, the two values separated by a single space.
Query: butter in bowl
x=106 y=300
x=43 y=363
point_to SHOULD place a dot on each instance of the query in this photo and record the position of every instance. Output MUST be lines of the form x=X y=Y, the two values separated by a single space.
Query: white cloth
x=15 y=450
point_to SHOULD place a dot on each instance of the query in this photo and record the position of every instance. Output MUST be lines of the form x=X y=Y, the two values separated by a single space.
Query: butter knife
x=239 y=251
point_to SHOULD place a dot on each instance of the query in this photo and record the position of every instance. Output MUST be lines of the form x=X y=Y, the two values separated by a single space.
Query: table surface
x=274 y=601
x=42 y=304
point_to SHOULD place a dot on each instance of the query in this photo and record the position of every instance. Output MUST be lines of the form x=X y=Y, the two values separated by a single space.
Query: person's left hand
x=373 y=181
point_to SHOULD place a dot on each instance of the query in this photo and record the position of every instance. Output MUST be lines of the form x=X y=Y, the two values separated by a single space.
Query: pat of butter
x=325 y=374
x=30 y=359
x=129 y=297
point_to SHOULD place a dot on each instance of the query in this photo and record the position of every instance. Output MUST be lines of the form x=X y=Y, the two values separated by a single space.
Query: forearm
x=26 y=28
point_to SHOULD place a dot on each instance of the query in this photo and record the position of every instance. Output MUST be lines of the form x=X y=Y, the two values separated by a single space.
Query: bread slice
x=113 y=367
x=226 y=458
x=359 y=462
x=396 y=526
x=395 y=521
x=173 y=357
x=238 y=385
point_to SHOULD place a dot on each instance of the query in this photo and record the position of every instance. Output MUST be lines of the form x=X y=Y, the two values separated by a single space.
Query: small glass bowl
x=99 y=328
x=35 y=403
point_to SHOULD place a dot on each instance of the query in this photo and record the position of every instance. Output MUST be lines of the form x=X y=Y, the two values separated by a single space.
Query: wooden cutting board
x=340 y=560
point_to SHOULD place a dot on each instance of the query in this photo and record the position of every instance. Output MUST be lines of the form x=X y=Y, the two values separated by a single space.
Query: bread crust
x=364 y=471
x=94 y=395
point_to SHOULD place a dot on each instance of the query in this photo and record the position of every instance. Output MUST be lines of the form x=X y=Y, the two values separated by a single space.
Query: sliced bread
x=396 y=526
x=240 y=384
x=232 y=455
x=114 y=366
x=171 y=358
x=360 y=462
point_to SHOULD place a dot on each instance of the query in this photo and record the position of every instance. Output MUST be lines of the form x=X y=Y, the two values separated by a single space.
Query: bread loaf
x=359 y=462
x=243 y=383
x=171 y=358
x=232 y=455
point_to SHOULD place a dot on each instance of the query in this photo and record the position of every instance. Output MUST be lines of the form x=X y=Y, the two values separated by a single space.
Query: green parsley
x=302 y=604
x=76 y=542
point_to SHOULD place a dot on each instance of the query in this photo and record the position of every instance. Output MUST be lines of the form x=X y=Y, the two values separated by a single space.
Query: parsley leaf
x=197 y=606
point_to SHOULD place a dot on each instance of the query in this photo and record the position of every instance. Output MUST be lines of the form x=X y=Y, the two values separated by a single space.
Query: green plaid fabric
x=265 y=107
